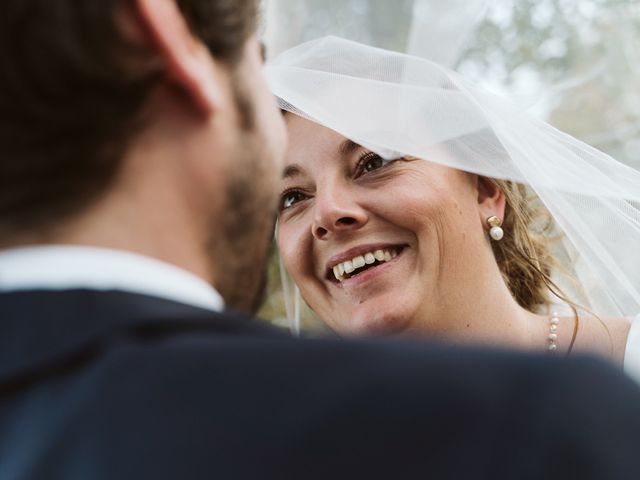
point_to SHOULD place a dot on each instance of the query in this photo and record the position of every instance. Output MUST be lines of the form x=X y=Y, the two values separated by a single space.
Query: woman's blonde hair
x=524 y=255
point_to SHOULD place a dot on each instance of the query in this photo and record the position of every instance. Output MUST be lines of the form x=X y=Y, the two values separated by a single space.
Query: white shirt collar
x=79 y=267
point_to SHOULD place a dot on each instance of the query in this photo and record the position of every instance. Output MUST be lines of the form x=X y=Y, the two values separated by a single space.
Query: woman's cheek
x=289 y=250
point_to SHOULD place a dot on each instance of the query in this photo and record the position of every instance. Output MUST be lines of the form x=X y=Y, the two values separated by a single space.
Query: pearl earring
x=496 y=231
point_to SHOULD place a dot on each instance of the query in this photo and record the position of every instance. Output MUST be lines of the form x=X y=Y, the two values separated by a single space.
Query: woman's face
x=375 y=246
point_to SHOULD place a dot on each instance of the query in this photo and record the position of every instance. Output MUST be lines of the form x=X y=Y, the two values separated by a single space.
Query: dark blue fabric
x=111 y=385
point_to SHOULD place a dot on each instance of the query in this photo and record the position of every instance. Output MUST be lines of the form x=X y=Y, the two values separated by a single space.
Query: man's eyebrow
x=292 y=170
x=348 y=147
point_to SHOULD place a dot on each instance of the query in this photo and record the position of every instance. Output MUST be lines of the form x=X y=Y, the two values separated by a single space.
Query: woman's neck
x=498 y=321
x=483 y=311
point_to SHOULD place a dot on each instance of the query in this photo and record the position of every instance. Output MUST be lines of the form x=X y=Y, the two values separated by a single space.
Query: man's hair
x=71 y=90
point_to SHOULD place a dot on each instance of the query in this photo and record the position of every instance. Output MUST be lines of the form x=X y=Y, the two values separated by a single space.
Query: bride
x=413 y=203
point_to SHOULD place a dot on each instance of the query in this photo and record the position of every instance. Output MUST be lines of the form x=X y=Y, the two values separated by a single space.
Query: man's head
x=140 y=124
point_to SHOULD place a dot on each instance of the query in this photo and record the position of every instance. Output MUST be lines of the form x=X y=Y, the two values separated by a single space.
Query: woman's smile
x=354 y=231
x=361 y=264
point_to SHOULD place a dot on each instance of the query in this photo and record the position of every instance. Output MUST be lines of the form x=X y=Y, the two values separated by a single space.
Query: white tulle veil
x=398 y=104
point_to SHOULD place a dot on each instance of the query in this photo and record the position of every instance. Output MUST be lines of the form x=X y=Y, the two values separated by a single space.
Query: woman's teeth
x=346 y=269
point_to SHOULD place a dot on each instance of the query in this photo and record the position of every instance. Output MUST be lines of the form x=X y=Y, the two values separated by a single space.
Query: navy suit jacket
x=113 y=385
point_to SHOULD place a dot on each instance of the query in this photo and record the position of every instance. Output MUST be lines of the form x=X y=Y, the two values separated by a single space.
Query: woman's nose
x=336 y=211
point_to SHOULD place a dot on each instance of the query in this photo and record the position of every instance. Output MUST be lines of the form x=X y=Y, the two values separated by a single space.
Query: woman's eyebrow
x=292 y=170
x=347 y=147
x=263 y=51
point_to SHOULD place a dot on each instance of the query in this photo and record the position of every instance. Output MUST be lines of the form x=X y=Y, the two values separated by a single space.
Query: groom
x=140 y=151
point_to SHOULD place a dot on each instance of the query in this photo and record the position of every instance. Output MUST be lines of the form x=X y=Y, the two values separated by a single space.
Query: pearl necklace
x=552 y=338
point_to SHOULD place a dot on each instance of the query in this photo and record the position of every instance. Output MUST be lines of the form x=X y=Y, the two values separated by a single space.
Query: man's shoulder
x=176 y=399
x=256 y=359
x=247 y=398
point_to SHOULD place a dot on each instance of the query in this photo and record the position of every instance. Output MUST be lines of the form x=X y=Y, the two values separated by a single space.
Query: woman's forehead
x=305 y=133
x=311 y=142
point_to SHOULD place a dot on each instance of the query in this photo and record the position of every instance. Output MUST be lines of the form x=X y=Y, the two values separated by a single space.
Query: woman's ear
x=188 y=63
x=491 y=199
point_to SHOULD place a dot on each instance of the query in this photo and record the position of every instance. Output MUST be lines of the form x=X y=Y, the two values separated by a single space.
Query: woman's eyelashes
x=370 y=162
x=290 y=197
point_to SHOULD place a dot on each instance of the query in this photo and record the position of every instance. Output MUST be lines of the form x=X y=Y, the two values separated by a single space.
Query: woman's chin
x=372 y=322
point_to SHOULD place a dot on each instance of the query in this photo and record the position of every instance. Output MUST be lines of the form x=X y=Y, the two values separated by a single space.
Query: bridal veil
x=398 y=104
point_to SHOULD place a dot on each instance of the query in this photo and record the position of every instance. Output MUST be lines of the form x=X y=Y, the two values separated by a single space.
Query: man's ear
x=491 y=199
x=187 y=61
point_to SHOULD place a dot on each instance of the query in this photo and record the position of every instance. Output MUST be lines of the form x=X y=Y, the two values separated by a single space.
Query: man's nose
x=336 y=211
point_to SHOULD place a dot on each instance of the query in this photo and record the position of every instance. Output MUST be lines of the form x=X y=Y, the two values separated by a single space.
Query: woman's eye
x=373 y=164
x=370 y=162
x=289 y=199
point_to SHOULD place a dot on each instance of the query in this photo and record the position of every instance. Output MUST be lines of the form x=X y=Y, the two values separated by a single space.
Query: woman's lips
x=363 y=267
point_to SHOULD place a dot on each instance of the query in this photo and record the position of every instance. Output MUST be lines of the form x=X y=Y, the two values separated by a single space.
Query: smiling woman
x=426 y=214
x=390 y=245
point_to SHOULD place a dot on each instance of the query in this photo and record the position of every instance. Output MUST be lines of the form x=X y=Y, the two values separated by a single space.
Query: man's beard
x=242 y=233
